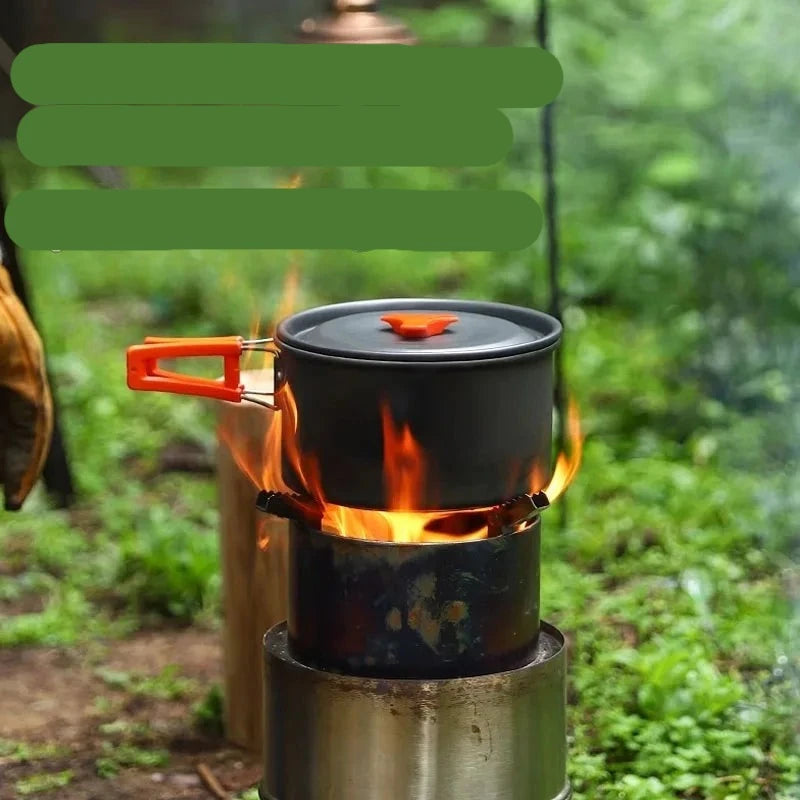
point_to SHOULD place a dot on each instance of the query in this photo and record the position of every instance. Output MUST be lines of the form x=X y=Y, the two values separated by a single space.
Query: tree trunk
x=254 y=552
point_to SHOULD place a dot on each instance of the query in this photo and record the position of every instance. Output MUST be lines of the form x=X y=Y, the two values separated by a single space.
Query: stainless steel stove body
x=331 y=736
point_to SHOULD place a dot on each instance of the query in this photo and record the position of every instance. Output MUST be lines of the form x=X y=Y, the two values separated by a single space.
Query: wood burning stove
x=412 y=458
x=383 y=609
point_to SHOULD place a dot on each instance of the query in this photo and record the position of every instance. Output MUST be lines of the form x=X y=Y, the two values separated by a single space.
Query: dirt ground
x=67 y=703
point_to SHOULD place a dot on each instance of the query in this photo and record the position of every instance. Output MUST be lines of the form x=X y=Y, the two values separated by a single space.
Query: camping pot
x=471 y=381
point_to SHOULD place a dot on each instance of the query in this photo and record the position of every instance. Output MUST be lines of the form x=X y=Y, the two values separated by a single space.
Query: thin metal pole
x=552 y=233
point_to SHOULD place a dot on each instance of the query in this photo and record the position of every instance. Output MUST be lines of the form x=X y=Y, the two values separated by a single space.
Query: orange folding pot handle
x=145 y=374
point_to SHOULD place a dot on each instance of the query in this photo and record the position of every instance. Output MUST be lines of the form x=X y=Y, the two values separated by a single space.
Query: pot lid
x=419 y=330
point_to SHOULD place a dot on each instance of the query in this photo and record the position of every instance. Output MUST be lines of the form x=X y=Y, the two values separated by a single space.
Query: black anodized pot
x=477 y=398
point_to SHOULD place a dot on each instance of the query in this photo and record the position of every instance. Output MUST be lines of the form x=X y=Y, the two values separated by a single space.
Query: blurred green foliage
x=209 y=713
x=116 y=757
x=43 y=782
x=675 y=571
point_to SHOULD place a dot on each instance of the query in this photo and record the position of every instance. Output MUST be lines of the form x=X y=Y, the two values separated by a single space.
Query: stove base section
x=339 y=737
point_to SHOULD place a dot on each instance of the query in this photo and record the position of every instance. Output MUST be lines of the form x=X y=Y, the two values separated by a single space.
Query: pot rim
x=550 y=326
x=367 y=363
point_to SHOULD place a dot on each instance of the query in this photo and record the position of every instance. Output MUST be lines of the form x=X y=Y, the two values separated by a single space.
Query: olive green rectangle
x=286 y=74
x=282 y=219
x=232 y=136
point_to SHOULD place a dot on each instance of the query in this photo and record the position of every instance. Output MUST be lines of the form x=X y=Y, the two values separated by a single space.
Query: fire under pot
x=411 y=459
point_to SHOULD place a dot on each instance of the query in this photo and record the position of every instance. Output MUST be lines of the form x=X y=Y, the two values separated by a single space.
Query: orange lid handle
x=144 y=373
x=416 y=325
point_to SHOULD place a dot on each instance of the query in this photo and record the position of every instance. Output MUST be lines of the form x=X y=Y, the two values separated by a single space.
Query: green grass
x=116 y=757
x=167 y=685
x=44 y=782
x=12 y=752
x=674 y=572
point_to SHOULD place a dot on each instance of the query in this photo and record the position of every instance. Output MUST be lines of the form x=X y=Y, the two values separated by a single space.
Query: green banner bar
x=249 y=136
x=282 y=219
x=286 y=74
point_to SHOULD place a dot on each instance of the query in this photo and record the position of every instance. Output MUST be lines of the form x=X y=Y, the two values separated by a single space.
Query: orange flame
x=263 y=534
x=405 y=474
x=404 y=464
x=287 y=303
x=288 y=300
x=261 y=457
x=253 y=332
x=294 y=182
x=567 y=465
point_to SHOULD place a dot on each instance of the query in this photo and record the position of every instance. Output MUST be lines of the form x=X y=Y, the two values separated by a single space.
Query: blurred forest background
x=674 y=572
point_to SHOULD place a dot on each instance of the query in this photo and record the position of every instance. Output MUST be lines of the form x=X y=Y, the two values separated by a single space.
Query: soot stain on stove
x=442 y=626
x=421 y=598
